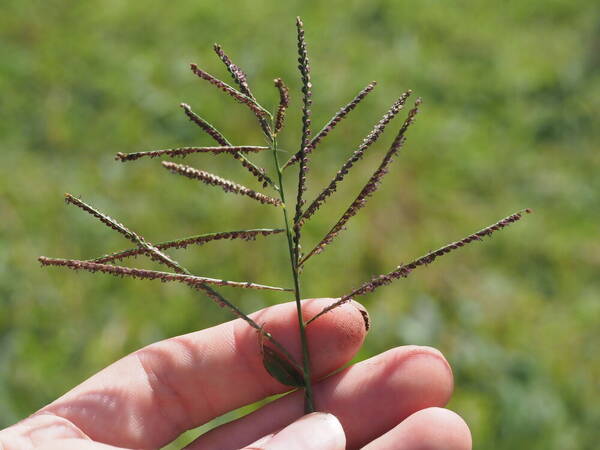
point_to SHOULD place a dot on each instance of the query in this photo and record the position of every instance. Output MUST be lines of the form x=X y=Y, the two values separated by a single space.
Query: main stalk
x=308 y=394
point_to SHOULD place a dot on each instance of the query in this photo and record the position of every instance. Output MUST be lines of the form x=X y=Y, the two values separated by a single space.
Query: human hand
x=147 y=399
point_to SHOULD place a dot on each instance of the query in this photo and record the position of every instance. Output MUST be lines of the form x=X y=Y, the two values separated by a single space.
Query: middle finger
x=368 y=398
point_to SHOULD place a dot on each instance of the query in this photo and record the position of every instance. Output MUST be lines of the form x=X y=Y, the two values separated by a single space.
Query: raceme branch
x=404 y=270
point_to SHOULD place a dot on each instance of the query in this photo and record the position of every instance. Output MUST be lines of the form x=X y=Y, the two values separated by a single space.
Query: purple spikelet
x=284 y=101
x=237 y=74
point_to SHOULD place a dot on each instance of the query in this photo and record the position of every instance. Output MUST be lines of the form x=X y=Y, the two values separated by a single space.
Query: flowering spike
x=226 y=185
x=337 y=118
x=404 y=270
x=184 y=151
x=240 y=79
x=246 y=235
x=207 y=127
x=358 y=154
x=236 y=73
x=190 y=280
x=258 y=172
x=284 y=101
x=304 y=67
x=145 y=247
x=258 y=110
x=198 y=283
x=106 y=220
x=371 y=186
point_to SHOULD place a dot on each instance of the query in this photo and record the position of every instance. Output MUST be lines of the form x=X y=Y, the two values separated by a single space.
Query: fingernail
x=364 y=313
x=316 y=431
x=260 y=444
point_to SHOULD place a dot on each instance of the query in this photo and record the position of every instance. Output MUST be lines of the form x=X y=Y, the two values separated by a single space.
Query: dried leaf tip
x=279 y=367
x=284 y=101
x=403 y=270
x=215 y=180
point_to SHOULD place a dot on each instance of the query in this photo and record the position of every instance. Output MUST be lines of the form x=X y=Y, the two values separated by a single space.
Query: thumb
x=316 y=431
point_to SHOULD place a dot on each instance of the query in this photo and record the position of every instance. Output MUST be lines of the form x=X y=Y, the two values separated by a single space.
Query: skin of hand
x=147 y=399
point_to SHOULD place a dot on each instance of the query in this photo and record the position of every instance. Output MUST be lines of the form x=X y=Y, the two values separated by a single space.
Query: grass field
x=510 y=93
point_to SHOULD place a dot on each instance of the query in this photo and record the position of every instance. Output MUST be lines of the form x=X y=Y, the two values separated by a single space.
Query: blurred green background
x=510 y=93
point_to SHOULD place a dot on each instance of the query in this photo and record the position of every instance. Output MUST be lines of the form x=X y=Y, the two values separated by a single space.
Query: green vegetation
x=510 y=91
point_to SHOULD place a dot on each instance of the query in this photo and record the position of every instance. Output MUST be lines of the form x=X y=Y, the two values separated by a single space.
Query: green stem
x=308 y=393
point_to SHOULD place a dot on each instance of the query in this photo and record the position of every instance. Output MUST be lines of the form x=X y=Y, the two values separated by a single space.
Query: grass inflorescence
x=278 y=361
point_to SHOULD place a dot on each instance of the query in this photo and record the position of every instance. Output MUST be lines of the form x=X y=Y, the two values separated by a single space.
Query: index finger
x=153 y=395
